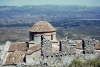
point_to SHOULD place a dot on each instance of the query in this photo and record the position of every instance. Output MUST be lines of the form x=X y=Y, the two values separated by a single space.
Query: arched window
x=51 y=37
x=32 y=36
x=41 y=37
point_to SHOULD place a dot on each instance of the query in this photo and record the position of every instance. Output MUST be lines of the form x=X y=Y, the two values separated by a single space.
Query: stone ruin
x=88 y=45
x=67 y=48
x=48 y=57
x=66 y=53
x=46 y=48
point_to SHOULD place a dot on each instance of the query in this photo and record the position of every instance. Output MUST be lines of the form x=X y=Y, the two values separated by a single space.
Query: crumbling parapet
x=49 y=57
x=46 y=48
x=46 y=51
x=88 y=45
x=67 y=47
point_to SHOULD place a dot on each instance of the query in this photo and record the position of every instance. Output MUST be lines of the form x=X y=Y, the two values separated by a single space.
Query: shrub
x=89 y=63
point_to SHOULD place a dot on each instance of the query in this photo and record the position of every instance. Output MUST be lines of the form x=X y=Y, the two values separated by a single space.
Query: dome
x=42 y=26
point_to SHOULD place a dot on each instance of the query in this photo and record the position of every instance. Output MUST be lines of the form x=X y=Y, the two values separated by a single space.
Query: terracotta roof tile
x=20 y=46
x=42 y=26
x=15 y=57
x=33 y=49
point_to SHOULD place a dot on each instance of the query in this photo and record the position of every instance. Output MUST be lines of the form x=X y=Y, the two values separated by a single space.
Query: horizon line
x=50 y=5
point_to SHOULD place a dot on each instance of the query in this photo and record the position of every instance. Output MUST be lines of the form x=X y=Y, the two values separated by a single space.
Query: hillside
x=75 y=22
x=27 y=15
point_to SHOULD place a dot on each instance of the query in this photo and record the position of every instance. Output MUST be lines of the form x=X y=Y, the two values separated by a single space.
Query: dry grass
x=13 y=34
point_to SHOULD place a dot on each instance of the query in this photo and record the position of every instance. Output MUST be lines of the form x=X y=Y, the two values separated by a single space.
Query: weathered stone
x=88 y=46
x=46 y=49
x=67 y=48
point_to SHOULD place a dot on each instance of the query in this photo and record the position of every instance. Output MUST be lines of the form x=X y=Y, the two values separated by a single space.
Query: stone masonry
x=88 y=46
x=67 y=48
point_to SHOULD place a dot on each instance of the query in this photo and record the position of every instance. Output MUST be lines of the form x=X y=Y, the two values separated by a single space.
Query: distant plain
x=74 y=22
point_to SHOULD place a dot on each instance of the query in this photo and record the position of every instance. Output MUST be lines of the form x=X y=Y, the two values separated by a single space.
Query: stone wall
x=67 y=48
x=61 y=58
x=58 y=58
x=46 y=48
x=88 y=46
x=38 y=36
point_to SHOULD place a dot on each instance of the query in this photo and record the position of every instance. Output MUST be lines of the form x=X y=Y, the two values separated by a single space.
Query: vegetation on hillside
x=77 y=63
x=88 y=63
x=75 y=22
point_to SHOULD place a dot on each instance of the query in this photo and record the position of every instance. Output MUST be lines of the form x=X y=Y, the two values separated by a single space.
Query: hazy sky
x=46 y=2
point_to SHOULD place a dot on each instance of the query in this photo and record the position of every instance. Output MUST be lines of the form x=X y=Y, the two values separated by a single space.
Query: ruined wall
x=57 y=58
x=46 y=48
x=63 y=57
x=88 y=45
x=67 y=48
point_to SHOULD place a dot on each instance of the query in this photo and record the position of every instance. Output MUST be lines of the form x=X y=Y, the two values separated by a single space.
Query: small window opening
x=41 y=37
x=51 y=37
x=32 y=36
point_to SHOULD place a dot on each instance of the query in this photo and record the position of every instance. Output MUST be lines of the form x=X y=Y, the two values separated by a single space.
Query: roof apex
x=42 y=26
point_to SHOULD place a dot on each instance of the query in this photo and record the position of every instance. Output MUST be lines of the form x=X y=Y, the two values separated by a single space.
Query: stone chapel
x=43 y=46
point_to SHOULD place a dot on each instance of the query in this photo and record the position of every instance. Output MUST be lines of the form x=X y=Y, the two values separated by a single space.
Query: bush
x=89 y=63
x=76 y=63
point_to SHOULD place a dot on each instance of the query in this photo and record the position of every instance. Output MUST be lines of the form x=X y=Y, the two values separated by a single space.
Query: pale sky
x=48 y=2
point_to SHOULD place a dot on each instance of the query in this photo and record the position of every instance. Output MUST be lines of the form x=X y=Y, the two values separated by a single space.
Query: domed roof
x=42 y=26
